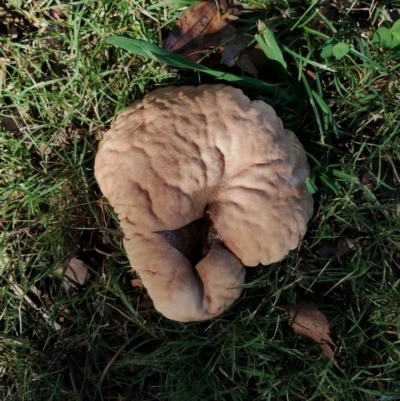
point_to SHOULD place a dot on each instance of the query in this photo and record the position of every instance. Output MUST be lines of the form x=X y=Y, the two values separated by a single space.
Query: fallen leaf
x=76 y=273
x=326 y=249
x=233 y=49
x=253 y=61
x=307 y=320
x=245 y=63
x=13 y=123
x=260 y=61
x=209 y=25
x=343 y=247
x=58 y=14
x=200 y=27
x=309 y=72
x=44 y=149
x=305 y=268
x=136 y=282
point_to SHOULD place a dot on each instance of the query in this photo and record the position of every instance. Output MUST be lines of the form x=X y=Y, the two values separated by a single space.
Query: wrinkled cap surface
x=181 y=153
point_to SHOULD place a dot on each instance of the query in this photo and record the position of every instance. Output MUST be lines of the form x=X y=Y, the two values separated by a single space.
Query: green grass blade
x=149 y=50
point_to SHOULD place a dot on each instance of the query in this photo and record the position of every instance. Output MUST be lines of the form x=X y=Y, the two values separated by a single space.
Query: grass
x=64 y=84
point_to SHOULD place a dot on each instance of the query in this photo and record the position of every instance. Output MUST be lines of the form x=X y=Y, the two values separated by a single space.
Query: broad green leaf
x=340 y=50
x=327 y=51
x=154 y=52
x=375 y=39
x=382 y=37
x=395 y=31
x=270 y=47
x=395 y=43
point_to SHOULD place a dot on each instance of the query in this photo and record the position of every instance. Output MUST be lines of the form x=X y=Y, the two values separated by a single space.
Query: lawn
x=62 y=83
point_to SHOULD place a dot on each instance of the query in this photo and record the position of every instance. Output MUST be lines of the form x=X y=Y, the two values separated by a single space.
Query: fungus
x=203 y=165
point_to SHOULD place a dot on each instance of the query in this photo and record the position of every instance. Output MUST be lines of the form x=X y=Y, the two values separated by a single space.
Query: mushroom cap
x=182 y=152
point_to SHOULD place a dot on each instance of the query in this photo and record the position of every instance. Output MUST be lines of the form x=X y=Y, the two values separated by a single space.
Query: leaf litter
x=213 y=26
x=201 y=26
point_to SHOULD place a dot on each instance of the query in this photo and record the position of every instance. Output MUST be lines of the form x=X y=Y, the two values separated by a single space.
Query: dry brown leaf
x=9 y=124
x=326 y=249
x=344 y=247
x=200 y=27
x=260 y=61
x=309 y=72
x=307 y=320
x=58 y=14
x=245 y=63
x=13 y=123
x=233 y=49
x=208 y=25
x=305 y=268
x=76 y=273
x=44 y=149
x=136 y=282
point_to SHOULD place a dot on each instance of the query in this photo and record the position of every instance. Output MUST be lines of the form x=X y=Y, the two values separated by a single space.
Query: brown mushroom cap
x=182 y=152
